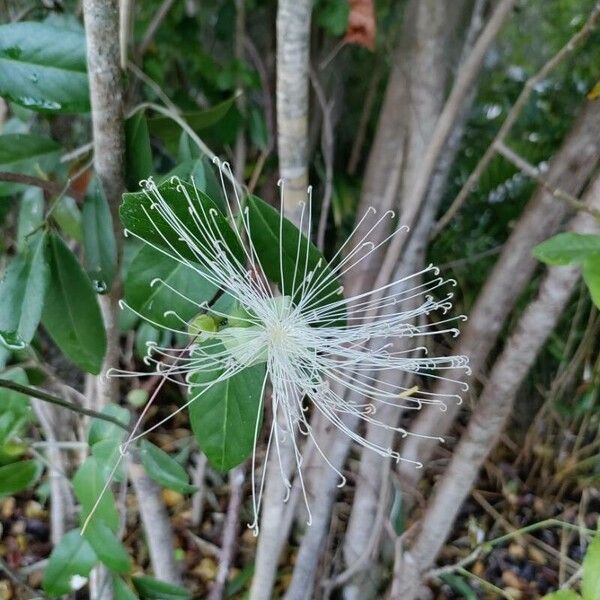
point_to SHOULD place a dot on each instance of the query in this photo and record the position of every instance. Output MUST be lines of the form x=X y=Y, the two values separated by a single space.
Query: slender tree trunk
x=101 y=19
x=492 y=412
x=426 y=71
x=571 y=168
x=293 y=45
x=106 y=96
x=156 y=524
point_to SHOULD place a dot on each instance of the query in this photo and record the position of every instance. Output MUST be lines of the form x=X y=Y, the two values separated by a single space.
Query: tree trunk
x=293 y=45
x=571 y=169
x=492 y=412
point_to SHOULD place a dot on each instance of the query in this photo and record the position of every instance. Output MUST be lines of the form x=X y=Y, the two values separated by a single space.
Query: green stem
x=46 y=397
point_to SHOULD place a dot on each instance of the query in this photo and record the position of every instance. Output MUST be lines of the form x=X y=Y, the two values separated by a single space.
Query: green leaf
x=562 y=595
x=136 y=207
x=18 y=476
x=224 y=417
x=99 y=244
x=164 y=470
x=152 y=589
x=15 y=414
x=567 y=248
x=88 y=483
x=24 y=153
x=107 y=454
x=101 y=430
x=71 y=312
x=43 y=67
x=122 y=591
x=22 y=292
x=591 y=276
x=169 y=131
x=31 y=215
x=107 y=547
x=264 y=223
x=138 y=153
x=71 y=559
x=459 y=585
x=152 y=301
x=203 y=173
x=68 y=216
x=332 y=15
x=590 y=583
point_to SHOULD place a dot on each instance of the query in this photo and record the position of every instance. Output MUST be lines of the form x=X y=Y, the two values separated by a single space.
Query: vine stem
x=50 y=398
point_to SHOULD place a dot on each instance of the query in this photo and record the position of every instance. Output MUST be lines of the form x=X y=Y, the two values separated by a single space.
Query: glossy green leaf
x=71 y=560
x=224 y=417
x=590 y=583
x=107 y=546
x=22 y=292
x=122 y=591
x=566 y=248
x=165 y=470
x=88 y=483
x=168 y=130
x=71 y=312
x=43 y=67
x=99 y=244
x=264 y=223
x=136 y=207
x=591 y=276
x=31 y=215
x=25 y=153
x=101 y=430
x=153 y=301
x=138 y=153
x=18 y=476
x=152 y=589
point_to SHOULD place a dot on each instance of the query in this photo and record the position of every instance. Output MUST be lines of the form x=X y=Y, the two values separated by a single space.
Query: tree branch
x=514 y=113
x=46 y=397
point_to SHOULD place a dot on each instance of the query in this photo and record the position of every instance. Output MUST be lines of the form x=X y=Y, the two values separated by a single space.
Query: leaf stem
x=46 y=397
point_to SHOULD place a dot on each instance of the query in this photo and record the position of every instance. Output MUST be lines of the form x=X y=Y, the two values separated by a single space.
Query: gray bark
x=156 y=525
x=571 y=168
x=293 y=45
x=492 y=412
x=106 y=96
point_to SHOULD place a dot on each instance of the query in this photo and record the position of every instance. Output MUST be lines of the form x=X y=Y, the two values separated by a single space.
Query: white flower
x=317 y=345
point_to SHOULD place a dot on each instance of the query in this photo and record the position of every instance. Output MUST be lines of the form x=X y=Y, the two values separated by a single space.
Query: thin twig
x=46 y=397
x=514 y=113
x=327 y=147
x=158 y=18
x=230 y=532
x=50 y=187
x=535 y=173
